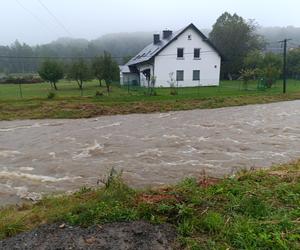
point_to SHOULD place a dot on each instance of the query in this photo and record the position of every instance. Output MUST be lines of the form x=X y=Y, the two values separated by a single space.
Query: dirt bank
x=130 y=235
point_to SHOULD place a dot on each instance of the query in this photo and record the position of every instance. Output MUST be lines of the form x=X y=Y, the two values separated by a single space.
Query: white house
x=184 y=58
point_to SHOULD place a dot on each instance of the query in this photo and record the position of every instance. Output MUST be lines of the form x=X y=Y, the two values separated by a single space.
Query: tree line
x=243 y=44
x=245 y=53
x=22 y=58
x=103 y=68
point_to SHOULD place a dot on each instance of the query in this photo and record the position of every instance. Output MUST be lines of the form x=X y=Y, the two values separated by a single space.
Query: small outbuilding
x=127 y=77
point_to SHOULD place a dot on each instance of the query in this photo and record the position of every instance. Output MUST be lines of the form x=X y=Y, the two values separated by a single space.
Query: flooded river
x=45 y=156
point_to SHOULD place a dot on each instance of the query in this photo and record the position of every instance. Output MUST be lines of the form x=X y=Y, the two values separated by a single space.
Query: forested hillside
x=20 y=57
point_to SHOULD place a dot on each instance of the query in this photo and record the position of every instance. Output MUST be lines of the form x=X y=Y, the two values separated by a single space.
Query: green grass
x=253 y=210
x=70 y=102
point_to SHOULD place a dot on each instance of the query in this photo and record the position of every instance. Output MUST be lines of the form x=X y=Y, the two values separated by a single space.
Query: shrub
x=51 y=95
x=98 y=93
x=21 y=79
x=173 y=91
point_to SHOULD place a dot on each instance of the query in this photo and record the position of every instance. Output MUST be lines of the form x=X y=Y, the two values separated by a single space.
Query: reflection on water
x=38 y=157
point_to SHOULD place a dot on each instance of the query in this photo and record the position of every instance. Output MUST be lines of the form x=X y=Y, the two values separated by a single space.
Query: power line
x=34 y=16
x=54 y=57
x=55 y=18
x=82 y=57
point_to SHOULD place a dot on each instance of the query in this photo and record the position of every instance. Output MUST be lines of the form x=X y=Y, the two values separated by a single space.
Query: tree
x=267 y=66
x=111 y=70
x=293 y=63
x=235 y=38
x=51 y=71
x=80 y=72
x=246 y=76
x=253 y=60
x=97 y=67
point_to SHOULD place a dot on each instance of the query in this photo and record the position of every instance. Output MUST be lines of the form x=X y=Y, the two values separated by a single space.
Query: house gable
x=207 y=65
x=149 y=52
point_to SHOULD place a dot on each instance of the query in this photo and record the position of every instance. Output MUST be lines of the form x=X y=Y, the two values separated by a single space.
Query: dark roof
x=153 y=49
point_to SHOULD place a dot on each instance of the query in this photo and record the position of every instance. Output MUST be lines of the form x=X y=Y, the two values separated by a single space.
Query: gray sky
x=92 y=18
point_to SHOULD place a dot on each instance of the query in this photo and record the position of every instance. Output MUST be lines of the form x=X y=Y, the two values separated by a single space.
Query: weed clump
x=51 y=95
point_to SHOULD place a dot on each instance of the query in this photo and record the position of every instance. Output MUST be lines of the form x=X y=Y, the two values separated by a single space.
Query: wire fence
x=68 y=89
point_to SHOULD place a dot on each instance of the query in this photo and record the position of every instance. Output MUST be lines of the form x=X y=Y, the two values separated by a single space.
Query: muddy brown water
x=46 y=156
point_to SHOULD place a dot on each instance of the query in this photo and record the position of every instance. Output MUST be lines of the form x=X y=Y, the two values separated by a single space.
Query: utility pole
x=284 y=71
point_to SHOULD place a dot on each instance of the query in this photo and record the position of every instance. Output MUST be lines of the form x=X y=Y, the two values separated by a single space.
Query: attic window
x=189 y=37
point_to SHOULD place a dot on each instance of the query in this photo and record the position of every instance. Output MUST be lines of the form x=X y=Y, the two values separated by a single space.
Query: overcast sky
x=30 y=22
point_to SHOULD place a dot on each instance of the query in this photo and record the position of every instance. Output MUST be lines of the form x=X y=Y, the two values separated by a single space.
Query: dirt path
x=42 y=156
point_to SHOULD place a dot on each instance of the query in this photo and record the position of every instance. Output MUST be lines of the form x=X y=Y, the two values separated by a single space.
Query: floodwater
x=45 y=156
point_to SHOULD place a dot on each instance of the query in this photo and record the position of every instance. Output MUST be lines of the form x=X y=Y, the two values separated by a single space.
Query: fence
x=92 y=89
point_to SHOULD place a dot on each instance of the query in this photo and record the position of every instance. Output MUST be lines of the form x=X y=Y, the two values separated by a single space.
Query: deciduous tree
x=97 y=68
x=80 y=72
x=51 y=71
x=111 y=70
x=235 y=38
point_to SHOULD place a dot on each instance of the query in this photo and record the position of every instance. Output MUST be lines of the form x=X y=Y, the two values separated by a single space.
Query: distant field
x=70 y=102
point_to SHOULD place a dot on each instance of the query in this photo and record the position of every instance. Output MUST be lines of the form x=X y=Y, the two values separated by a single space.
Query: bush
x=21 y=79
x=173 y=91
x=51 y=95
x=98 y=93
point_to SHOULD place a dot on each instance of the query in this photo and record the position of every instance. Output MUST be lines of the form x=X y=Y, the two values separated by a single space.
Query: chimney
x=156 y=38
x=167 y=34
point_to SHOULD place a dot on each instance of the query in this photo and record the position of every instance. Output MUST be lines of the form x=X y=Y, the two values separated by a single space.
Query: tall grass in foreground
x=254 y=210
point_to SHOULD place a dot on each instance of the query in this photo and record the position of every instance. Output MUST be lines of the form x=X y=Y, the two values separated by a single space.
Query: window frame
x=197 y=58
x=180 y=58
x=177 y=78
x=199 y=72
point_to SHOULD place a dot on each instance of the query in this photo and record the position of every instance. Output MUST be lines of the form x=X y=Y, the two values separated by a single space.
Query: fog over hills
x=121 y=46
x=128 y=44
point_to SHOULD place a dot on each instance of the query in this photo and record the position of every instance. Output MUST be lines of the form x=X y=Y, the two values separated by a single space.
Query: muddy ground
x=116 y=236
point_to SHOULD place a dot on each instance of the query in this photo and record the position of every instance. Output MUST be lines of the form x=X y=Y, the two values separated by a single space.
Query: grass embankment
x=254 y=210
x=69 y=104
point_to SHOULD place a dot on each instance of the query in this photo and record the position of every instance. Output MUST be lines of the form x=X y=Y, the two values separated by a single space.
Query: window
x=189 y=37
x=197 y=53
x=180 y=52
x=179 y=75
x=196 y=75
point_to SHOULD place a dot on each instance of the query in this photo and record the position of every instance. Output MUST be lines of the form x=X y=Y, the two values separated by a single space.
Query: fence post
x=20 y=89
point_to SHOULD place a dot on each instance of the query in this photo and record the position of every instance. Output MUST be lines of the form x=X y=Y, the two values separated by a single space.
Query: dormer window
x=180 y=53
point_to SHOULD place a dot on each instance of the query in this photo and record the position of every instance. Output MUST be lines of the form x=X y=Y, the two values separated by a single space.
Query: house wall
x=209 y=64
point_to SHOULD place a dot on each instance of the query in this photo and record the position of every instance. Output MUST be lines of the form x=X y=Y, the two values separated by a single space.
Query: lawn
x=70 y=102
x=252 y=210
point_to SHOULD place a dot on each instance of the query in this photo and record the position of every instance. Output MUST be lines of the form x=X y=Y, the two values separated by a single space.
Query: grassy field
x=253 y=210
x=70 y=102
